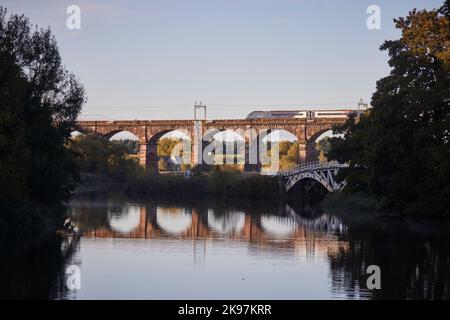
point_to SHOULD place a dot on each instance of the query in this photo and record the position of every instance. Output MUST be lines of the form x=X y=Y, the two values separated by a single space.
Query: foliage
x=221 y=181
x=39 y=102
x=166 y=146
x=323 y=147
x=97 y=155
x=164 y=151
x=400 y=150
x=289 y=155
x=131 y=146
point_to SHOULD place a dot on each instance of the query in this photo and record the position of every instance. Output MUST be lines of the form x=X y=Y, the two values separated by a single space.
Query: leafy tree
x=283 y=147
x=400 y=150
x=288 y=153
x=97 y=155
x=293 y=154
x=39 y=102
x=132 y=146
x=323 y=147
x=166 y=145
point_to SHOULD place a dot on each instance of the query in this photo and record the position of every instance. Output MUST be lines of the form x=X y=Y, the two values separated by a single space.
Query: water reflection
x=124 y=218
x=172 y=220
x=128 y=220
x=37 y=270
x=231 y=223
x=333 y=249
x=212 y=249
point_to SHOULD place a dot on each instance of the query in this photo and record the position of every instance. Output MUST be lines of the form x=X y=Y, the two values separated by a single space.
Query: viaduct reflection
x=288 y=229
x=413 y=254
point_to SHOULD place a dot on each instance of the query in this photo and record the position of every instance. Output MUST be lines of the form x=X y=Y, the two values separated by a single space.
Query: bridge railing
x=310 y=166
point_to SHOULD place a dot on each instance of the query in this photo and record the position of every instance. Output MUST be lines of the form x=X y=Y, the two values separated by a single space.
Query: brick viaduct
x=201 y=131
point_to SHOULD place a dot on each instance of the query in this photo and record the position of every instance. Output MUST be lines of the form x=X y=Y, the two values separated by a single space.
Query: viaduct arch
x=252 y=130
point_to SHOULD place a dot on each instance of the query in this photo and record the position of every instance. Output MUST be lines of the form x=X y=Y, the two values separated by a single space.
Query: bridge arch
x=121 y=135
x=309 y=181
x=149 y=154
x=109 y=133
x=312 y=154
x=285 y=149
x=148 y=130
x=322 y=172
x=223 y=147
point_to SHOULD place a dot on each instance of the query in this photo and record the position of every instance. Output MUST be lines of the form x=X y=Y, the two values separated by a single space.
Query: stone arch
x=258 y=142
x=110 y=132
x=311 y=152
x=218 y=142
x=148 y=156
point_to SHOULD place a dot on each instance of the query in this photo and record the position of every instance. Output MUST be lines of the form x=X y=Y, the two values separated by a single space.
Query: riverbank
x=220 y=182
x=234 y=185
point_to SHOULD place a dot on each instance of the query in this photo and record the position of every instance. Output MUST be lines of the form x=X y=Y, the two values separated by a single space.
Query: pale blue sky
x=152 y=59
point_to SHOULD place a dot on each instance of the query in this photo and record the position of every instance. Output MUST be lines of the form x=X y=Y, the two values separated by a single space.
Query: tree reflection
x=36 y=271
x=413 y=255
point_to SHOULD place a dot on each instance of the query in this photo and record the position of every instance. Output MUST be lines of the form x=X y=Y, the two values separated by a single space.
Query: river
x=215 y=249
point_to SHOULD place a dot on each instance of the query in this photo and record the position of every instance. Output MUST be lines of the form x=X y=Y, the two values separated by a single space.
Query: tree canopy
x=399 y=150
x=39 y=102
x=97 y=155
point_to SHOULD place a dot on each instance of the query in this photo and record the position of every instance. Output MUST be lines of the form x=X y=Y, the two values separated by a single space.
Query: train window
x=331 y=113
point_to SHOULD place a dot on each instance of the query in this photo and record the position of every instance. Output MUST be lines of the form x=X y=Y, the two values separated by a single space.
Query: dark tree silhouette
x=39 y=102
x=400 y=150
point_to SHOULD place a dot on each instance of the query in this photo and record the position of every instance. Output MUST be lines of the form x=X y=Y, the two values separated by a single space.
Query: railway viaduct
x=200 y=132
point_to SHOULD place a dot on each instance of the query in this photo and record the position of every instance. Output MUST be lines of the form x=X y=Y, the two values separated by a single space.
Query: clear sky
x=152 y=59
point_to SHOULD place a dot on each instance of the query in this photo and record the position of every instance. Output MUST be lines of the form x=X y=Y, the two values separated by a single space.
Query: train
x=301 y=114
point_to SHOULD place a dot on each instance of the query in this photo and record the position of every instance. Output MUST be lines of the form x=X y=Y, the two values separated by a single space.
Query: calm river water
x=218 y=250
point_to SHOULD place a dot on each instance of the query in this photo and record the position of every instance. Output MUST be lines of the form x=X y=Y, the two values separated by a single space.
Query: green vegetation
x=131 y=146
x=323 y=147
x=164 y=151
x=288 y=152
x=97 y=155
x=220 y=181
x=399 y=151
x=39 y=102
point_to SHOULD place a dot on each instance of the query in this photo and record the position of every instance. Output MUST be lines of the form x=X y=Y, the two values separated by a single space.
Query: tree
x=400 y=150
x=39 y=102
x=294 y=154
x=97 y=155
x=323 y=147
x=166 y=145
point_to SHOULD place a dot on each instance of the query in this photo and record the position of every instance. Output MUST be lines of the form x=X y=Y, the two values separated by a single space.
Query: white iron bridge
x=324 y=172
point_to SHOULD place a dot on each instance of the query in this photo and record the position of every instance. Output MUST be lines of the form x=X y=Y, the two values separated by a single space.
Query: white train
x=301 y=114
